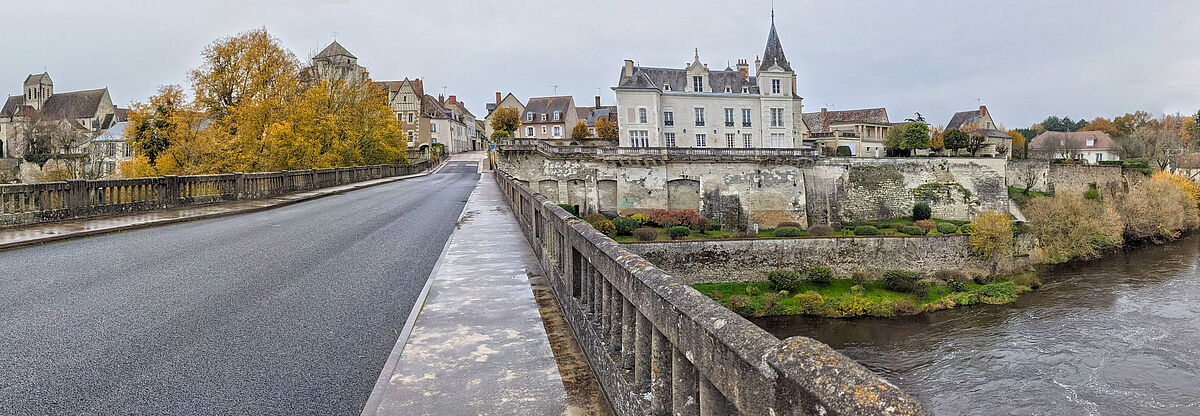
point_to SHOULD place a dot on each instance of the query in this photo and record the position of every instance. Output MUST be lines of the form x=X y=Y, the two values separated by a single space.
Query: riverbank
x=852 y=298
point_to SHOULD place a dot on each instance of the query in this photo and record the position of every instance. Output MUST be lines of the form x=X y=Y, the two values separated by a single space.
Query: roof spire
x=697 y=54
x=773 y=55
x=772 y=13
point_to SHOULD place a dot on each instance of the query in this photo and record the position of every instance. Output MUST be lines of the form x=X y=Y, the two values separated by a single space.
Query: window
x=728 y=90
x=128 y=151
x=400 y=116
x=1099 y=157
x=728 y=117
x=745 y=117
x=410 y=117
x=530 y=132
x=746 y=140
x=557 y=131
x=699 y=116
x=666 y=86
x=669 y=139
x=529 y=116
x=433 y=127
x=1091 y=142
x=698 y=84
x=777 y=140
x=639 y=138
x=668 y=118
x=642 y=115
x=774 y=86
x=745 y=90
x=701 y=140
x=110 y=149
x=557 y=115
x=729 y=140
x=776 y=117
x=543 y=127
x=543 y=117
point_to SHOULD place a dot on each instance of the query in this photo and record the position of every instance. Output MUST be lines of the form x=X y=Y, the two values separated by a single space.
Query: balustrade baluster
x=660 y=374
x=685 y=400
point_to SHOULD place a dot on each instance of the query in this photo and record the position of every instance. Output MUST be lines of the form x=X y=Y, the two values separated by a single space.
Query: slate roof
x=34 y=79
x=11 y=106
x=78 y=104
x=658 y=78
x=122 y=113
x=1048 y=139
x=774 y=52
x=547 y=106
x=818 y=124
x=430 y=107
x=963 y=118
x=334 y=49
x=608 y=112
x=116 y=133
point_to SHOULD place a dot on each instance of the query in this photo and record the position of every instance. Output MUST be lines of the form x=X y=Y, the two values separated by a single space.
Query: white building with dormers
x=699 y=108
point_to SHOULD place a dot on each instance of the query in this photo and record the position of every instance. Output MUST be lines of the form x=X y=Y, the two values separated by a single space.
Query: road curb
x=159 y=223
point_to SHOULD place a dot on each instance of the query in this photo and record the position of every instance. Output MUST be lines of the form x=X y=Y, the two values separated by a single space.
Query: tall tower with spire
x=777 y=84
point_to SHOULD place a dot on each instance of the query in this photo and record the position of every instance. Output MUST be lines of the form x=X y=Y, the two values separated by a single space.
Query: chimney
x=597 y=101
x=497 y=98
x=628 y=71
x=441 y=99
x=823 y=113
x=982 y=110
x=743 y=68
x=757 y=62
x=453 y=100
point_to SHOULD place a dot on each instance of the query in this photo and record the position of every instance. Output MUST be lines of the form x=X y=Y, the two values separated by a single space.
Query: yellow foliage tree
x=991 y=235
x=505 y=119
x=1101 y=124
x=580 y=131
x=937 y=141
x=1018 y=144
x=1181 y=181
x=1160 y=208
x=336 y=123
x=606 y=129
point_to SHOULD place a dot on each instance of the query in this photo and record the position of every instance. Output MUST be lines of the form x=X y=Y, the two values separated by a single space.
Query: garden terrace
x=658 y=346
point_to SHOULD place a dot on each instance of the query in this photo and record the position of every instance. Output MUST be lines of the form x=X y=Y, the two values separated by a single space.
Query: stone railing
x=73 y=199
x=657 y=153
x=660 y=347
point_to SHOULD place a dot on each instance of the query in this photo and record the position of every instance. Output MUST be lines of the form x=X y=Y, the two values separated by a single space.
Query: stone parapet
x=660 y=347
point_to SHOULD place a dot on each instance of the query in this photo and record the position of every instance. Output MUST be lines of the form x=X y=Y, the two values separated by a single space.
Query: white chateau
x=696 y=107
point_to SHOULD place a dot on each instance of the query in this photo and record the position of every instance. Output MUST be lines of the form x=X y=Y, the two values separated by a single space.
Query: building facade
x=510 y=101
x=72 y=115
x=696 y=107
x=1089 y=146
x=979 y=123
x=860 y=131
x=548 y=118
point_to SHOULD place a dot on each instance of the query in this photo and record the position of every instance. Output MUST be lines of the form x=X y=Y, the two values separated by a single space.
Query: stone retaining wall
x=659 y=347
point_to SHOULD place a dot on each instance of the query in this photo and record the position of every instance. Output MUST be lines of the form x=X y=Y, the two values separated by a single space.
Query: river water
x=1117 y=336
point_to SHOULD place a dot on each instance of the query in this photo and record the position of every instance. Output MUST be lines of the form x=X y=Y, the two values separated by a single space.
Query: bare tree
x=45 y=135
x=1157 y=145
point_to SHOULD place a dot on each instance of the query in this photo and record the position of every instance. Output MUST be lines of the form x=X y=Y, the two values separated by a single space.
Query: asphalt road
x=287 y=311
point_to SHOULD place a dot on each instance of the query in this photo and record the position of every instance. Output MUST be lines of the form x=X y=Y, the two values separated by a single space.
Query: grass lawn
x=844 y=298
x=1018 y=195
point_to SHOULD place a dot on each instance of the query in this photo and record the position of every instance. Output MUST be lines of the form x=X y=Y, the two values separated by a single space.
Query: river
x=1119 y=335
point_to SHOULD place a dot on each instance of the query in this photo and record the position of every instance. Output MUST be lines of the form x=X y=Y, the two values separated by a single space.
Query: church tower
x=38 y=88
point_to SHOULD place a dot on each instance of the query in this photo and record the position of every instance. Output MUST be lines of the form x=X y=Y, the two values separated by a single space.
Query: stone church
x=77 y=113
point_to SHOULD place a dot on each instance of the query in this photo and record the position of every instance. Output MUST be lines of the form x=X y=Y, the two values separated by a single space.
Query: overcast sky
x=1023 y=59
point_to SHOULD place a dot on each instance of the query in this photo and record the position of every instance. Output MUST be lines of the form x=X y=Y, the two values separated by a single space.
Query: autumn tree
x=505 y=119
x=1152 y=143
x=1195 y=127
x=606 y=129
x=1101 y=124
x=1131 y=122
x=580 y=131
x=991 y=236
x=43 y=135
x=1020 y=149
x=955 y=140
x=937 y=140
x=1068 y=226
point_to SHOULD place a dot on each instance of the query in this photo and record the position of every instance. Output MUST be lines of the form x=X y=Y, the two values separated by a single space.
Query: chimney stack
x=453 y=100
x=743 y=68
x=628 y=71
x=441 y=99
x=983 y=110
x=497 y=98
x=597 y=101
x=823 y=113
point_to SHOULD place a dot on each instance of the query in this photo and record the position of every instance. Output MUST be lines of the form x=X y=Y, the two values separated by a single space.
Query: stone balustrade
x=659 y=347
x=55 y=201
x=659 y=153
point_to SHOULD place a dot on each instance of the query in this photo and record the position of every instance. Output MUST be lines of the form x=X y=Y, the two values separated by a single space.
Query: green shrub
x=946 y=228
x=810 y=302
x=949 y=275
x=569 y=208
x=783 y=279
x=714 y=225
x=913 y=230
x=741 y=305
x=899 y=226
x=921 y=211
x=642 y=219
x=866 y=230
x=871 y=223
x=1092 y=194
x=956 y=286
x=820 y=274
x=852 y=306
x=905 y=281
x=963 y=298
x=678 y=232
x=820 y=230
x=625 y=225
x=787 y=232
x=645 y=234
x=966 y=228
x=752 y=290
x=998 y=293
x=843 y=151
x=604 y=226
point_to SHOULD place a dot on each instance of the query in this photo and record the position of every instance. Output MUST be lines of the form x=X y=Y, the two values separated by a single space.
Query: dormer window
x=529 y=116
x=774 y=86
x=728 y=90
x=1091 y=142
x=543 y=118
x=557 y=115
x=698 y=84
x=745 y=90
x=666 y=86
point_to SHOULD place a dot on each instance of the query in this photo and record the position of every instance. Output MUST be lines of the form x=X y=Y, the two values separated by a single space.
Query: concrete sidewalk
x=489 y=338
x=62 y=230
